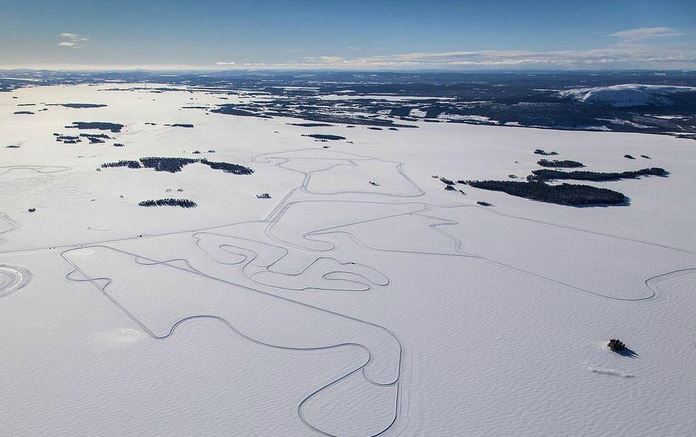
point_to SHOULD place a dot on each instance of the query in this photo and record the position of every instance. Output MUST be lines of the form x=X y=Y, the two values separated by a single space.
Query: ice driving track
x=42 y=169
x=249 y=256
x=171 y=263
x=17 y=277
x=12 y=277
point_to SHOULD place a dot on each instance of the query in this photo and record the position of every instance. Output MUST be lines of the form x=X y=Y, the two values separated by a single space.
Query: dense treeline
x=123 y=163
x=227 y=167
x=544 y=152
x=548 y=174
x=184 y=203
x=565 y=194
x=231 y=109
x=98 y=125
x=565 y=163
x=174 y=165
x=67 y=139
x=78 y=105
x=310 y=124
x=325 y=137
x=101 y=136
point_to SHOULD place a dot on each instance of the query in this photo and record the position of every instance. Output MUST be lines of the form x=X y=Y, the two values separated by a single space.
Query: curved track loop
x=653 y=282
x=44 y=169
x=283 y=206
x=12 y=278
x=217 y=245
x=438 y=226
x=103 y=283
x=344 y=159
x=419 y=208
x=10 y=225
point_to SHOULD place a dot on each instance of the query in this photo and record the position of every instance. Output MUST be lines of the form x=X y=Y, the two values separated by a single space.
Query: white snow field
x=627 y=95
x=361 y=299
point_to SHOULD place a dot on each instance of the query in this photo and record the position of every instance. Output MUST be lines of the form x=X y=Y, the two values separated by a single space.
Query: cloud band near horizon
x=632 y=48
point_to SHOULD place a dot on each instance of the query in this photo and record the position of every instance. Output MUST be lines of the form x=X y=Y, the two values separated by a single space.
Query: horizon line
x=201 y=69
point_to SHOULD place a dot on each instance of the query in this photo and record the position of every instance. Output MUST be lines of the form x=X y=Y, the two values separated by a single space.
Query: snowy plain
x=338 y=306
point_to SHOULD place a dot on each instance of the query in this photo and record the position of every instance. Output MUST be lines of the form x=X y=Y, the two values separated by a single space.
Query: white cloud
x=635 y=48
x=608 y=57
x=225 y=63
x=71 y=40
x=643 y=33
x=337 y=60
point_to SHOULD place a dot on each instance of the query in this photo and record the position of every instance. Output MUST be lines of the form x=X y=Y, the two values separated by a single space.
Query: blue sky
x=376 y=34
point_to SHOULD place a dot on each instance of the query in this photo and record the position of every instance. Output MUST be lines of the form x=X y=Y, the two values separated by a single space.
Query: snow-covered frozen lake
x=362 y=298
